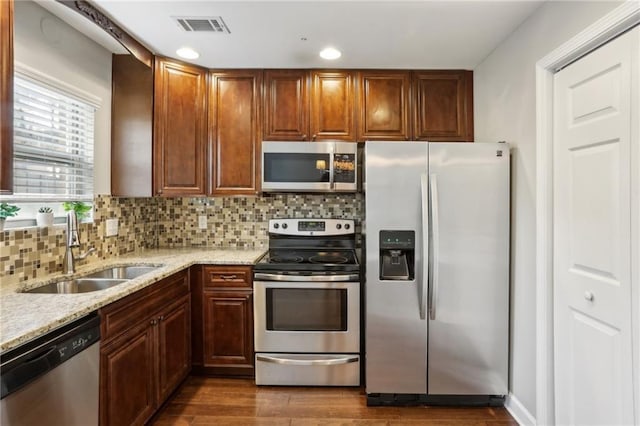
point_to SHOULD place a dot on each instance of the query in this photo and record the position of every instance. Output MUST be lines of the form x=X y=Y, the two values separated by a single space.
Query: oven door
x=320 y=317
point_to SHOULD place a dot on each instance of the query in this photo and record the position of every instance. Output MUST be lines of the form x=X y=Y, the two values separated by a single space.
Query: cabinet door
x=6 y=97
x=286 y=105
x=384 y=105
x=234 y=128
x=228 y=329
x=180 y=129
x=174 y=347
x=127 y=369
x=443 y=105
x=333 y=106
x=131 y=127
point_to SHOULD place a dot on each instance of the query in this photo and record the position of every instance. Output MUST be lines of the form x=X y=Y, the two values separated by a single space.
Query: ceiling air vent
x=211 y=24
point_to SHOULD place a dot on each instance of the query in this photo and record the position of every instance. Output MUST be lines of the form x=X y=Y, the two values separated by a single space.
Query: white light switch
x=111 y=227
x=202 y=222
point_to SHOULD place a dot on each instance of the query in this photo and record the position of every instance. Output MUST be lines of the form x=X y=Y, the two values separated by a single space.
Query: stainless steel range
x=307 y=305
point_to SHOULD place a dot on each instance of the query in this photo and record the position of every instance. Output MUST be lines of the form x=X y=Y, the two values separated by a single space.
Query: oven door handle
x=308 y=278
x=289 y=361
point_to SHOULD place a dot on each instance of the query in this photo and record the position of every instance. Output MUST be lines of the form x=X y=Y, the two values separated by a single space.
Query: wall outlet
x=111 y=227
x=202 y=222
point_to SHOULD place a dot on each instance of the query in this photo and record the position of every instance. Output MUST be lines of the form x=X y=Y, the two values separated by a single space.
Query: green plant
x=45 y=210
x=81 y=208
x=8 y=210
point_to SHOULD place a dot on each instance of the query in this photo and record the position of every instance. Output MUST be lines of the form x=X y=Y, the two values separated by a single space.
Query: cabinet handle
x=228 y=277
x=313 y=138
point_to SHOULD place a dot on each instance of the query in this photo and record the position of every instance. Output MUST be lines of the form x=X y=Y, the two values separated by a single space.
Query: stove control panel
x=312 y=227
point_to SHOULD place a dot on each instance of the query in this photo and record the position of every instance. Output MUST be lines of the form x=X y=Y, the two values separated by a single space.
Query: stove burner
x=328 y=258
x=286 y=259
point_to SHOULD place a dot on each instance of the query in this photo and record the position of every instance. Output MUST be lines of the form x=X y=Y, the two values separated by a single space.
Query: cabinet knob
x=589 y=296
x=313 y=138
x=303 y=137
x=153 y=322
x=161 y=318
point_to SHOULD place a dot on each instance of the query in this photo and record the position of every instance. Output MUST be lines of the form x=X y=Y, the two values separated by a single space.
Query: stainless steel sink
x=96 y=281
x=123 y=272
x=78 y=285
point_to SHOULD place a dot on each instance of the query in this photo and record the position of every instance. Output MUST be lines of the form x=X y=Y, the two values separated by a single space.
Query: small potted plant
x=44 y=216
x=81 y=208
x=7 y=210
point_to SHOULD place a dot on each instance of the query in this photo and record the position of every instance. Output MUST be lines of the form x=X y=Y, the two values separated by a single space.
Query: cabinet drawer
x=123 y=314
x=227 y=277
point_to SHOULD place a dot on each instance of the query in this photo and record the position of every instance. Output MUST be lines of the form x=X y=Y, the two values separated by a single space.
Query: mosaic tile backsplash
x=166 y=223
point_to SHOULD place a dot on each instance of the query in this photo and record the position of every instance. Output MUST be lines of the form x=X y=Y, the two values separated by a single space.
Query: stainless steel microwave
x=309 y=166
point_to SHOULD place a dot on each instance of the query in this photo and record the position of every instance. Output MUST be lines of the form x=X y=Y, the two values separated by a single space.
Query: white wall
x=505 y=110
x=45 y=43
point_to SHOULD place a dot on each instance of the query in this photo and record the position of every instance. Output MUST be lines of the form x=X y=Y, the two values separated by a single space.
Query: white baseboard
x=518 y=411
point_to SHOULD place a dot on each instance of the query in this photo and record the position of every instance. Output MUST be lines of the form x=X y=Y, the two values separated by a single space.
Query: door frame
x=606 y=28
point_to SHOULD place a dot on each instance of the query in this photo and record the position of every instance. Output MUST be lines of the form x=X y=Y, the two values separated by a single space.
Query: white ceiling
x=83 y=25
x=371 y=34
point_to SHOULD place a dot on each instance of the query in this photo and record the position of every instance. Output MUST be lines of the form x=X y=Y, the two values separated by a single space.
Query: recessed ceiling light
x=330 y=53
x=187 y=53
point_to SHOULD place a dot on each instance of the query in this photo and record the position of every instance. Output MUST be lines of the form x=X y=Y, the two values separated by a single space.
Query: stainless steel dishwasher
x=53 y=380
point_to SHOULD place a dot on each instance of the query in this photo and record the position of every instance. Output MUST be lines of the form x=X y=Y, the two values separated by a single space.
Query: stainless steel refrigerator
x=437 y=272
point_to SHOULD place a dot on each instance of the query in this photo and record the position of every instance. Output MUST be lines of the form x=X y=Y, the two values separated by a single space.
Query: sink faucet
x=73 y=240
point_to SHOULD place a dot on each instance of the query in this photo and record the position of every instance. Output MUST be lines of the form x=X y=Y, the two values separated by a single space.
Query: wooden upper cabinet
x=131 y=127
x=180 y=129
x=383 y=104
x=235 y=131
x=6 y=96
x=333 y=105
x=443 y=105
x=286 y=105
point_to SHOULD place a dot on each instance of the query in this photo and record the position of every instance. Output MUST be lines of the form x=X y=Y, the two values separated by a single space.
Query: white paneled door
x=592 y=242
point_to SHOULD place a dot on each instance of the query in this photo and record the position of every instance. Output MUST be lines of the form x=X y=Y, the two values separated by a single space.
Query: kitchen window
x=53 y=145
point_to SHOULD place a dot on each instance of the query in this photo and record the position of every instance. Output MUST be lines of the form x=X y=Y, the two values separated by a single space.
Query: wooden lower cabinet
x=142 y=364
x=222 y=318
x=174 y=347
x=228 y=329
x=127 y=394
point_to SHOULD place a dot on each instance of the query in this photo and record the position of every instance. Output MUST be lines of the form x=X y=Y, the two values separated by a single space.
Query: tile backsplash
x=166 y=223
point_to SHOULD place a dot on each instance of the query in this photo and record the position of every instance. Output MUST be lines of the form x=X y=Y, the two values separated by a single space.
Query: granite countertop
x=26 y=316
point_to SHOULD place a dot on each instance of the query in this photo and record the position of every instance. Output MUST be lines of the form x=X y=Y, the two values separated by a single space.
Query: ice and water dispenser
x=397 y=255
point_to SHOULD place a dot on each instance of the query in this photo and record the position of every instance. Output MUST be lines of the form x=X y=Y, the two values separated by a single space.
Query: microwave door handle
x=331 y=169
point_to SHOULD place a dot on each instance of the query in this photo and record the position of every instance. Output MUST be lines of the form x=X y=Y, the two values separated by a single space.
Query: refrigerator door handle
x=435 y=247
x=424 y=187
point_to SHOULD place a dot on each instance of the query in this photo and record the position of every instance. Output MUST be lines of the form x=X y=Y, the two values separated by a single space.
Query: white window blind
x=53 y=143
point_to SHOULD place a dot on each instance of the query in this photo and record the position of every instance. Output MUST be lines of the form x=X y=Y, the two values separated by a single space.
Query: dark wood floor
x=211 y=401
